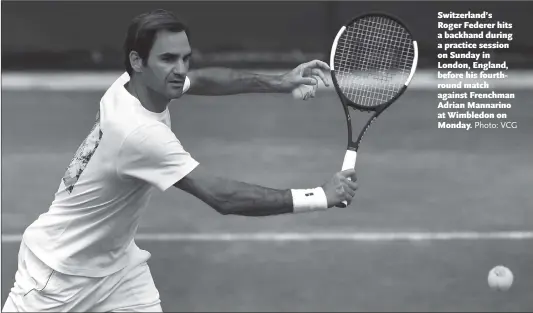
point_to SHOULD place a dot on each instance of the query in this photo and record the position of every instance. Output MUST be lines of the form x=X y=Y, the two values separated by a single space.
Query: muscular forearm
x=238 y=198
x=225 y=81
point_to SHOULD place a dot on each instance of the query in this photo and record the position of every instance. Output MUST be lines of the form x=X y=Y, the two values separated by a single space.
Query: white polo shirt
x=90 y=226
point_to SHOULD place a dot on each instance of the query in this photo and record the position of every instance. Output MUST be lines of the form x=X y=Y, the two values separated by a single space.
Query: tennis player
x=81 y=254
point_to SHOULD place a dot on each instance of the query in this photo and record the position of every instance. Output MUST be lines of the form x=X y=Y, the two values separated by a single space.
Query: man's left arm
x=226 y=81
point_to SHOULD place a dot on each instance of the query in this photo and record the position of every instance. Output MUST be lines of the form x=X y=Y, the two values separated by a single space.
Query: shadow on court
x=413 y=177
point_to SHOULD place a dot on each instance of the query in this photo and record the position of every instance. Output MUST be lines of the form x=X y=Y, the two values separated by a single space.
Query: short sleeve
x=152 y=153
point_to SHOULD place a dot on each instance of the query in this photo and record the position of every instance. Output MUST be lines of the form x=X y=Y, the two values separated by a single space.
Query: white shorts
x=38 y=288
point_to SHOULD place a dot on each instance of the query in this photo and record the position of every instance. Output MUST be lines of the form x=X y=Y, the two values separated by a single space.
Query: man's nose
x=180 y=67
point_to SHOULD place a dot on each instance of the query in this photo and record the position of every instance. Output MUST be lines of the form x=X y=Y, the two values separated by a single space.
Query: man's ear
x=136 y=61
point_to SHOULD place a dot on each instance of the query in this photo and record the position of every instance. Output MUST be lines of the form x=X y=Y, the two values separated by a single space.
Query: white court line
x=358 y=236
x=100 y=81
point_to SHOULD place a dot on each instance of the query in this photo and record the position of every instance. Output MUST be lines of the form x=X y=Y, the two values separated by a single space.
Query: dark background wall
x=89 y=34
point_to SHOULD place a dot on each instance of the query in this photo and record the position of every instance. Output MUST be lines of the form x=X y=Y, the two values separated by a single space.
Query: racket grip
x=349 y=162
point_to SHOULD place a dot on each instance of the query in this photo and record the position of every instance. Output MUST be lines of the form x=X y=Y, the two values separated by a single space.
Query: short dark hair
x=143 y=29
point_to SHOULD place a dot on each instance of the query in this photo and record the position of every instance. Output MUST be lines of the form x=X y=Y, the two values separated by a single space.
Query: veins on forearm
x=225 y=81
x=251 y=200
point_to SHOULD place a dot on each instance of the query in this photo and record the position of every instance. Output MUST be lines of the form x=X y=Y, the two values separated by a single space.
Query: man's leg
x=39 y=288
x=20 y=275
x=31 y=279
x=133 y=290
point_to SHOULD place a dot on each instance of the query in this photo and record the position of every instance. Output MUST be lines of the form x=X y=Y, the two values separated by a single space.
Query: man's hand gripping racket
x=373 y=59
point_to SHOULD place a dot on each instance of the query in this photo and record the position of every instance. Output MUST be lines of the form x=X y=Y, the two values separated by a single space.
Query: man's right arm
x=152 y=153
x=228 y=196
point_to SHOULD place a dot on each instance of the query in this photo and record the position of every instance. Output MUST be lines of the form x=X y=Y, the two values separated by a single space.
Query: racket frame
x=346 y=103
x=352 y=147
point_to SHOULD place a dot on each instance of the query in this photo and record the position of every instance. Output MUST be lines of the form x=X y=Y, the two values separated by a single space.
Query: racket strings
x=373 y=60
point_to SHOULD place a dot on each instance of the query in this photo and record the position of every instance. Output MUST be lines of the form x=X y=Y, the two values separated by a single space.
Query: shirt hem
x=70 y=270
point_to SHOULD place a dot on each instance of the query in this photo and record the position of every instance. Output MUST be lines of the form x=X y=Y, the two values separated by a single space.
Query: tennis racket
x=373 y=59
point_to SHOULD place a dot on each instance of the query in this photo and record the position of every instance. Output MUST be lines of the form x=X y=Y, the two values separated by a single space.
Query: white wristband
x=307 y=200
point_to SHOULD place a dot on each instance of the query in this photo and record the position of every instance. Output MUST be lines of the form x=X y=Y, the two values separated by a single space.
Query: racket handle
x=349 y=162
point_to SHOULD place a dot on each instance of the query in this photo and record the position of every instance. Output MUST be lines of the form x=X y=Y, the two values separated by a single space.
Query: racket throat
x=365 y=129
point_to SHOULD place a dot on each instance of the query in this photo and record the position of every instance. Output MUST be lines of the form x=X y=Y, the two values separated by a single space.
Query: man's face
x=167 y=64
